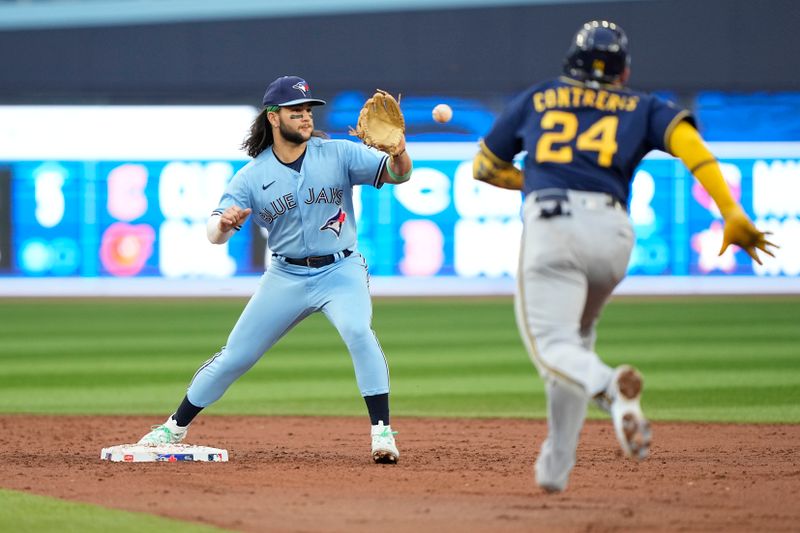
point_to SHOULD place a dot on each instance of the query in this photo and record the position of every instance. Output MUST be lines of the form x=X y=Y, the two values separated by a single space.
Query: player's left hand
x=739 y=230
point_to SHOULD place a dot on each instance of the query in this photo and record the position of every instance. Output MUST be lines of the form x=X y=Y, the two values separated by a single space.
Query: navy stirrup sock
x=186 y=412
x=378 y=407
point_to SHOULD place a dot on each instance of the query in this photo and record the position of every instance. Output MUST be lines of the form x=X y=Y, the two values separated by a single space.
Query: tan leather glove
x=381 y=124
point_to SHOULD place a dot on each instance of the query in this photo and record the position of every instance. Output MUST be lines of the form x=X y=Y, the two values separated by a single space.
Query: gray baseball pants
x=575 y=250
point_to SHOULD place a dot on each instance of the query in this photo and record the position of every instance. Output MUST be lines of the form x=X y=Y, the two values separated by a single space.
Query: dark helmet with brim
x=599 y=52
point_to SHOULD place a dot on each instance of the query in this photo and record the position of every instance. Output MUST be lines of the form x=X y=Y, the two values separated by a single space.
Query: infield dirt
x=303 y=474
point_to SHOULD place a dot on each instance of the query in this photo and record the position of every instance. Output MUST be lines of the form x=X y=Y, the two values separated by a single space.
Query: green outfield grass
x=714 y=359
x=26 y=513
x=733 y=359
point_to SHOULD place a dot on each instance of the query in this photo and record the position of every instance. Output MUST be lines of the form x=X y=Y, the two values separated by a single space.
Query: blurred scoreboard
x=122 y=200
x=119 y=219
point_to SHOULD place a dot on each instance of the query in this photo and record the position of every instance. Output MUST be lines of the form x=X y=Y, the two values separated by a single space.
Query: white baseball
x=442 y=113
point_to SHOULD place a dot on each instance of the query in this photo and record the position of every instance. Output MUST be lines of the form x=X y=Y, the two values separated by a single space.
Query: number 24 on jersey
x=561 y=128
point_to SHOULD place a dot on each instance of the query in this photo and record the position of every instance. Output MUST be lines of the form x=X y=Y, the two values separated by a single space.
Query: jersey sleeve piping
x=376 y=182
x=682 y=115
x=218 y=212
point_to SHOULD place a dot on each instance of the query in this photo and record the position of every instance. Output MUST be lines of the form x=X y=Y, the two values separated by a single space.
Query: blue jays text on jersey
x=308 y=212
x=581 y=137
x=325 y=195
x=282 y=204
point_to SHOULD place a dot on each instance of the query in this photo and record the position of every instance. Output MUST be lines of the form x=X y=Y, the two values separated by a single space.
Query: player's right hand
x=232 y=217
x=739 y=230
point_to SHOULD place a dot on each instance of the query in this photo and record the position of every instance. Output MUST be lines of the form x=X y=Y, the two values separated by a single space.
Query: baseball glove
x=381 y=123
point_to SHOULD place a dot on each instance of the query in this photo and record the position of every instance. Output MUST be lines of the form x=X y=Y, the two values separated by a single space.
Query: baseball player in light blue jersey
x=299 y=186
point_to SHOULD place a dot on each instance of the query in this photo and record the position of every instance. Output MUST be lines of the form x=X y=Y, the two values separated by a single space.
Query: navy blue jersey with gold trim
x=580 y=137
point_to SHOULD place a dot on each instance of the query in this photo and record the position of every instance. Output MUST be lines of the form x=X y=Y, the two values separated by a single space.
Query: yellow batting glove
x=739 y=230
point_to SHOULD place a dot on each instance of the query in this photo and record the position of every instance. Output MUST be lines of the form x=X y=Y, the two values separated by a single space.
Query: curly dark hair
x=260 y=137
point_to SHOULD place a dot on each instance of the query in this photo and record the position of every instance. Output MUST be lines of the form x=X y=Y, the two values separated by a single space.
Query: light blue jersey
x=307 y=213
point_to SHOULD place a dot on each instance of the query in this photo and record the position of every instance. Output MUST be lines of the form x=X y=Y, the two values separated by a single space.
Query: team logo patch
x=335 y=223
x=301 y=86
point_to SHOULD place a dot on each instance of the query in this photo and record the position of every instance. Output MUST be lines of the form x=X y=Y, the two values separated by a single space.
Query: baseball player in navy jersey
x=584 y=133
x=299 y=186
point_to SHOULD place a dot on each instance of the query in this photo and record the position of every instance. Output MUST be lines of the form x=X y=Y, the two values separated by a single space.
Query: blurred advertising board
x=126 y=193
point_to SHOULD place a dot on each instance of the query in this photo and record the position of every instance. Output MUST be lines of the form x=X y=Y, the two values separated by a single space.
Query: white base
x=137 y=453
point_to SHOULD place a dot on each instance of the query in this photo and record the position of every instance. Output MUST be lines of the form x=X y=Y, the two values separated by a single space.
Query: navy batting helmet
x=599 y=52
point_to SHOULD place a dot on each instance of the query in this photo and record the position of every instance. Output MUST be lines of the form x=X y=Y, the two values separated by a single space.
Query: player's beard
x=294 y=137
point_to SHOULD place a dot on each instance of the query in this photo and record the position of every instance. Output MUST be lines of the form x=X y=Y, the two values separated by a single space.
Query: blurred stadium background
x=120 y=123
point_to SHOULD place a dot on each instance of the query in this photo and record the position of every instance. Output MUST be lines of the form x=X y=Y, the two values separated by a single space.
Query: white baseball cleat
x=384 y=449
x=167 y=433
x=630 y=425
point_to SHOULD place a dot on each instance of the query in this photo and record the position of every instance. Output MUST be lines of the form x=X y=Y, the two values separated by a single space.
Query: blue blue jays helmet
x=599 y=52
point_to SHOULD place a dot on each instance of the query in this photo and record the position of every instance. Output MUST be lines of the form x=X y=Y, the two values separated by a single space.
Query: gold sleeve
x=489 y=168
x=686 y=144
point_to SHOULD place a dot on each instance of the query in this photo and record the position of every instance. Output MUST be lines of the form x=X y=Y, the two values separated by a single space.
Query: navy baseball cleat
x=384 y=449
x=630 y=425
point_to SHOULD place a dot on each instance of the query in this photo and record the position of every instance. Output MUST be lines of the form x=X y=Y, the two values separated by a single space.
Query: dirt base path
x=306 y=474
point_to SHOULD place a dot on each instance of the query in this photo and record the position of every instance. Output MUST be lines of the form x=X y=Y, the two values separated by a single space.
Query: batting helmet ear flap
x=599 y=52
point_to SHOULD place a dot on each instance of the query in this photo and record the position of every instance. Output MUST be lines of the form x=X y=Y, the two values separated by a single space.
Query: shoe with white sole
x=630 y=425
x=384 y=449
x=167 y=433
